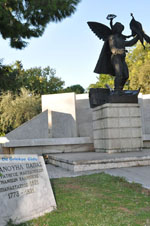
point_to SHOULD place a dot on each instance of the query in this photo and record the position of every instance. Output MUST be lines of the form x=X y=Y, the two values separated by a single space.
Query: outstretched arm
x=132 y=41
x=111 y=23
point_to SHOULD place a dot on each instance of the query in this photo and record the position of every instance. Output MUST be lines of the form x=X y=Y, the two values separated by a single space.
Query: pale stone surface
x=49 y=141
x=84 y=116
x=62 y=114
x=25 y=191
x=74 y=148
x=51 y=145
x=144 y=102
x=117 y=127
x=34 y=128
x=96 y=161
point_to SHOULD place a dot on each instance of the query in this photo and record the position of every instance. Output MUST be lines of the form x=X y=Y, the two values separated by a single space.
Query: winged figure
x=112 y=57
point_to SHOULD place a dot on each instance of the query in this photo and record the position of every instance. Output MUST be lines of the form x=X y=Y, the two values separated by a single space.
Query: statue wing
x=101 y=30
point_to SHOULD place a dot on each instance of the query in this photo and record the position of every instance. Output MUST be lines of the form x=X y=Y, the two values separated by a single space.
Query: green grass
x=97 y=200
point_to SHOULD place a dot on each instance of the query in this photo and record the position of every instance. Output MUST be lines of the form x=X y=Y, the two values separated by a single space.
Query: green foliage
x=78 y=89
x=17 y=109
x=10 y=77
x=40 y=81
x=10 y=223
x=23 y=19
x=97 y=200
x=139 y=67
x=2 y=133
x=102 y=81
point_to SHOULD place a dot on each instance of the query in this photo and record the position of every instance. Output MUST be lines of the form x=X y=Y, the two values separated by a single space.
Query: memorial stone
x=25 y=189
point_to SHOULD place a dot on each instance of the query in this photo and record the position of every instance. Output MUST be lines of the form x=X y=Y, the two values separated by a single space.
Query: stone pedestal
x=117 y=128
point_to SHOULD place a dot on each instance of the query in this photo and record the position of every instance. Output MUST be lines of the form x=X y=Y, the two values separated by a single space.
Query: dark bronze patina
x=112 y=57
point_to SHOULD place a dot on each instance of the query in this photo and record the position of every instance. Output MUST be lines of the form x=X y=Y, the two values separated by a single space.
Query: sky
x=70 y=47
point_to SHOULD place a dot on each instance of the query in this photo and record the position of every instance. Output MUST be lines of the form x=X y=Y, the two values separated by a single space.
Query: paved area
x=133 y=174
x=139 y=175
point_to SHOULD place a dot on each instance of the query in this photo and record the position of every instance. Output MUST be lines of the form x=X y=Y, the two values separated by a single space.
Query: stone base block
x=117 y=128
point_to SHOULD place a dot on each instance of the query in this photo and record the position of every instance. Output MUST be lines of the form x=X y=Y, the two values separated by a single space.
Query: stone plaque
x=25 y=189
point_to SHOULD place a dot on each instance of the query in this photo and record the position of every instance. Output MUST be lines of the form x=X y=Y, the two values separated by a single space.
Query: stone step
x=95 y=161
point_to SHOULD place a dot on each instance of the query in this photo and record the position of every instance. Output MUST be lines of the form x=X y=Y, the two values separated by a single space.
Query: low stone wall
x=47 y=146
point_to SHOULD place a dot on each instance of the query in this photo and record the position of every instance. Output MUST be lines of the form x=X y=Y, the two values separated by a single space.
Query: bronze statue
x=112 y=57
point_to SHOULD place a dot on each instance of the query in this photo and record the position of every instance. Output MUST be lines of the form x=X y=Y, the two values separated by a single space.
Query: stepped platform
x=95 y=161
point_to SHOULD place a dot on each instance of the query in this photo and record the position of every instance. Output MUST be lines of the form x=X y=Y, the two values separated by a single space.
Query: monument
x=112 y=60
x=25 y=189
x=116 y=113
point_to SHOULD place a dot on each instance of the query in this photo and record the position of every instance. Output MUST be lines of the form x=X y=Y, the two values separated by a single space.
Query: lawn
x=97 y=200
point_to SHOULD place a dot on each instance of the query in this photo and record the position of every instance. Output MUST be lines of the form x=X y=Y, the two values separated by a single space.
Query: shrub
x=17 y=109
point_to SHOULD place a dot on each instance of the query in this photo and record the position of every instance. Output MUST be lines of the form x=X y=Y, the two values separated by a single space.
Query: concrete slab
x=144 y=101
x=62 y=114
x=79 y=157
x=96 y=161
x=139 y=175
x=84 y=115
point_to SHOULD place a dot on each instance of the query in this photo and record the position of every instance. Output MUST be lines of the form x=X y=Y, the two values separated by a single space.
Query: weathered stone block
x=112 y=112
x=136 y=122
x=62 y=114
x=119 y=130
x=125 y=132
x=100 y=124
x=126 y=143
x=99 y=144
x=99 y=134
x=135 y=112
x=124 y=122
x=112 y=144
x=112 y=133
x=136 y=132
x=112 y=123
x=123 y=112
x=84 y=116
x=137 y=143
x=25 y=191
x=96 y=115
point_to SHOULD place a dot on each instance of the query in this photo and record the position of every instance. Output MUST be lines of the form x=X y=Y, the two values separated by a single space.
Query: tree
x=78 y=89
x=102 y=81
x=11 y=76
x=41 y=81
x=23 y=19
x=138 y=62
x=17 y=109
